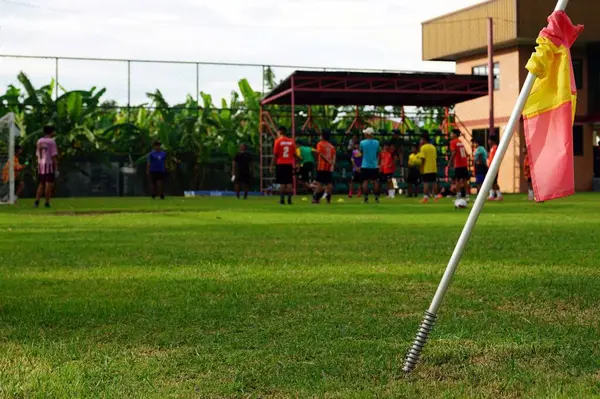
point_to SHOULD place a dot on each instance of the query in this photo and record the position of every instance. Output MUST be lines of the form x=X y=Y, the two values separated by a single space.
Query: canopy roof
x=371 y=88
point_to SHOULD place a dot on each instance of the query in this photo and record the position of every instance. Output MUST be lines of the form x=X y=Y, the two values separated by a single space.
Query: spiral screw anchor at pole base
x=413 y=355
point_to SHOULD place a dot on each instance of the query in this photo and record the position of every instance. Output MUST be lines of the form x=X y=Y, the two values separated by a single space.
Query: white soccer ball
x=460 y=203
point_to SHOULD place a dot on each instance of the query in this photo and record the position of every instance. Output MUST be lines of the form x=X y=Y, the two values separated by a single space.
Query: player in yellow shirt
x=428 y=155
x=414 y=172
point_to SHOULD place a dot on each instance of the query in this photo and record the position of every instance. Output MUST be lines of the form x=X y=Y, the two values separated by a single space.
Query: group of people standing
x=286 y=155
x=373 y=167
x=370 y=164
x=423 y=168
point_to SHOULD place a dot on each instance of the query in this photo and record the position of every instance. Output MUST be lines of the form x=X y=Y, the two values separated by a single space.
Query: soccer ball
x=460 y=203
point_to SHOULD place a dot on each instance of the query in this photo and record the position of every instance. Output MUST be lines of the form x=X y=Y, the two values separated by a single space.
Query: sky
x=377 y=34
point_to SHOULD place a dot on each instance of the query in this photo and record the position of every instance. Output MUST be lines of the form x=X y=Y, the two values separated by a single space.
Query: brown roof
x=464 y=33
x=369 y=88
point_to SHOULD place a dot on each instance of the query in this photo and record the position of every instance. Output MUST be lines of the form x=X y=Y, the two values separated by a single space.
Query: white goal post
x=8 y=133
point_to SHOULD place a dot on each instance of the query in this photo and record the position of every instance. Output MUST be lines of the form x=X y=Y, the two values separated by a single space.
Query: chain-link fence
x=130 y=88
x=128 y=81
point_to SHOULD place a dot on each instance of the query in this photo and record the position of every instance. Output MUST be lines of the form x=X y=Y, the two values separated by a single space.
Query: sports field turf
x=219 y=298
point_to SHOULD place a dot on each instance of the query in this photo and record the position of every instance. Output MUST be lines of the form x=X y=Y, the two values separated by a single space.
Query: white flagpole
x=412 y=358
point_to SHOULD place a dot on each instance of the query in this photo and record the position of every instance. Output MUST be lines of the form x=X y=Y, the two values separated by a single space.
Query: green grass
x=219 y=298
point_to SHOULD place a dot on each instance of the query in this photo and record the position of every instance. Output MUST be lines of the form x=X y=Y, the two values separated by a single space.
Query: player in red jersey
x=284 y=160
x=495 y=194
x=387 y=168
x=325 y=166
x=460 y=160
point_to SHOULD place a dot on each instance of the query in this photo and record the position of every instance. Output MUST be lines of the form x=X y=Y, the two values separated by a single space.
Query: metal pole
x=260 y=146
x=128 y=91
x=198 y=88
x=293 y=121
x=491 y=76
x=56 y=79
x=412 y=358
x=263 y=80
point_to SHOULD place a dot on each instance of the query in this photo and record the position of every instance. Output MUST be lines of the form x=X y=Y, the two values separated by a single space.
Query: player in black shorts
x=414 y=172
x=284 y=159
x=326 y=154
x=242 y=171
x=357 y=179
x=157 y=169
x=306 y=172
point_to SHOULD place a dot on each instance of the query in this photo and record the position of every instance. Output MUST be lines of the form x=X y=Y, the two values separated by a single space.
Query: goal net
x=8 y=134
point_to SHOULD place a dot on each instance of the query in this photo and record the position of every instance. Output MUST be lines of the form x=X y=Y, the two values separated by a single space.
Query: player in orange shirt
x=284 y=160
x=325 y=165
x=387 y=168
x=18 y=168
x=495 y=194
x=460 y=160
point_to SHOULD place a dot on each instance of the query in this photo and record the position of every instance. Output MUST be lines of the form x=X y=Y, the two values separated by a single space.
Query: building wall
x=504 y=97
x=466 y=30
x=462 y=36
x=584 y=165
x=475 y=114
x=582 y=94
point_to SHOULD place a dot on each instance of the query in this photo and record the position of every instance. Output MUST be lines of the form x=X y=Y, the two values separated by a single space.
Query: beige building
x=462 y=37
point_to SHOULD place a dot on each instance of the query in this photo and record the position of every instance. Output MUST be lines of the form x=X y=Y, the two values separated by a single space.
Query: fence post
x=56 y=79
x=263 y=80
x=198 y=88
x=129 y=91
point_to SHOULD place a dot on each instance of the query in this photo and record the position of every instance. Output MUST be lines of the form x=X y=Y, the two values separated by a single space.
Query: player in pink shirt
x=47 y=155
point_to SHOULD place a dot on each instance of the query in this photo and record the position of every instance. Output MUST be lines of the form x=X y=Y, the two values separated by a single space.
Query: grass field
x=220 y=298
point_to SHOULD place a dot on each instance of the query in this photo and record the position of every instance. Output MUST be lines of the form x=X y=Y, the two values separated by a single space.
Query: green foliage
x=91 y=129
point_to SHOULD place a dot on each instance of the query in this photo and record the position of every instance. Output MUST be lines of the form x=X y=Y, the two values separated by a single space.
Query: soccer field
x=213 y=297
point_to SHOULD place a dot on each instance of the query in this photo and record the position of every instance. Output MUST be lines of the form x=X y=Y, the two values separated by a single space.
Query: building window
x=578 y=72
x=578 y=140
x=482 y=70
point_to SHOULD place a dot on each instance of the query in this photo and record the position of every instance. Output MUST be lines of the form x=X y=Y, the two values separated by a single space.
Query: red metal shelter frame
x=367 y=88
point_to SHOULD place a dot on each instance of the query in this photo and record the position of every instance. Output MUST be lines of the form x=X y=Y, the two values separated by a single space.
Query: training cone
x=341 y=200
x=304 y=199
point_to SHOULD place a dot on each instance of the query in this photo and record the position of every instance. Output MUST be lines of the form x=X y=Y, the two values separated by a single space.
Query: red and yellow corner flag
x=550 y=110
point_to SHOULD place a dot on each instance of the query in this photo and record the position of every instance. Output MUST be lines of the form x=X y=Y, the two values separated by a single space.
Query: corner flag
x=548 y=120
x=550 y=110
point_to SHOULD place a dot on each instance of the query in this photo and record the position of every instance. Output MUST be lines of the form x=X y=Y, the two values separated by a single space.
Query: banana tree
x=73 y=113
x=250 y=112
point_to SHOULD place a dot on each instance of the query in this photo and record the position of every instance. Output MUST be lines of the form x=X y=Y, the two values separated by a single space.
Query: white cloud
x=379 y=34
